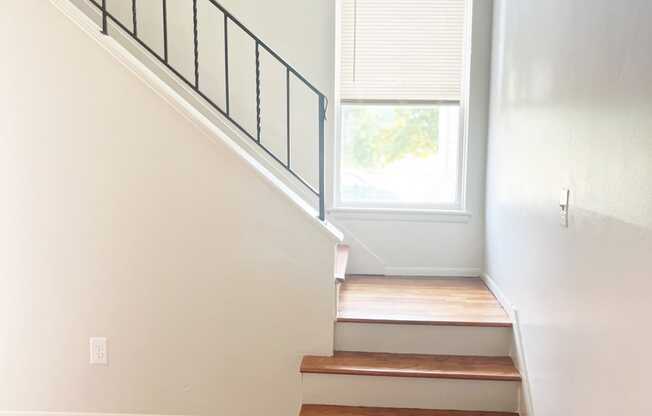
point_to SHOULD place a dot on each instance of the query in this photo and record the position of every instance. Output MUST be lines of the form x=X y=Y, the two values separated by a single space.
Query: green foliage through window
x=376 y=136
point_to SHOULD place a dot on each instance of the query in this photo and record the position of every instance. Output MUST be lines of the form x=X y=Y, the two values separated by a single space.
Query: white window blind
x=402 y=50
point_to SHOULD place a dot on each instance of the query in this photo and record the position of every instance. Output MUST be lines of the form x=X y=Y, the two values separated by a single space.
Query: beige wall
x=571 y=107
x=120 y=218
x=303 y=32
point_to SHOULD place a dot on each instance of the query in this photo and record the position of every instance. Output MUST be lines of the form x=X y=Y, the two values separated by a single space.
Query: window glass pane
x=397 y=155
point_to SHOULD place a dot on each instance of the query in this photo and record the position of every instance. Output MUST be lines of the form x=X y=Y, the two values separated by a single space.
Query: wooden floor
x=324 y=410
x=413 y=365
x=419 y=300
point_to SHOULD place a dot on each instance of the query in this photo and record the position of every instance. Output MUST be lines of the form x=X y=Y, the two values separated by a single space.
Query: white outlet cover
x=98 y=351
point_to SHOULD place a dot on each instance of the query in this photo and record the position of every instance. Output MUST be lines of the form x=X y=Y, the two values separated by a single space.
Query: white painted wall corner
x=433 y=271
x=525 y=405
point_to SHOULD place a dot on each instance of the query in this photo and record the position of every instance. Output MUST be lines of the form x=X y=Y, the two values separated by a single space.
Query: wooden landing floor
x=419 y=300
x=413 y=365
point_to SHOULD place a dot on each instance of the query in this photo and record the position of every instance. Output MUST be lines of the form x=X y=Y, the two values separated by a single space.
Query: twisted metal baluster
x=196 y=40
x=105 y=30
x=134 y=18
x=226 y=61
x=287 y=113
x=258 y=91
x=165 y=30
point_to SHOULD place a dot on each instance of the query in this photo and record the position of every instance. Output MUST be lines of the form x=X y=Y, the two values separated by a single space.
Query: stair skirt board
x=326 y=410
x=341 y=261
x=378 y=391
x=423 y=339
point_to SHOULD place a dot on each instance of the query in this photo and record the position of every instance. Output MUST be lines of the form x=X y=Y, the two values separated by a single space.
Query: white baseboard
x=45 y=413
x=433 y=271
x=518 y=354
x=498 y=293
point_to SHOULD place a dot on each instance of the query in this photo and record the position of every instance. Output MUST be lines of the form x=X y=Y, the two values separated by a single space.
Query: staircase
x=413 y=346
x=403 y=346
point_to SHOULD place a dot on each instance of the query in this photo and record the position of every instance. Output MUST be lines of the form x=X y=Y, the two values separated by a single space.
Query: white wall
x=571 y=106
x=300 y=32
x=121 y=218
x=304 y=34
x=435 y=245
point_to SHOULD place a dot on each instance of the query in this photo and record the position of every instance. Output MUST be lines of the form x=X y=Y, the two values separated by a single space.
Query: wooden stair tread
x=327 y=410
x=421 y=300
x=413 y=365
x=341 y=260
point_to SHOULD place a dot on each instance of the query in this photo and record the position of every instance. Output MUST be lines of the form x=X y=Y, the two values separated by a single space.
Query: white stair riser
x=423 y=339
x=420 y=393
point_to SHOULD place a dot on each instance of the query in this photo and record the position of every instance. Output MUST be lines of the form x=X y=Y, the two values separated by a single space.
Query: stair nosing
x=490 y=324
x=407 y=373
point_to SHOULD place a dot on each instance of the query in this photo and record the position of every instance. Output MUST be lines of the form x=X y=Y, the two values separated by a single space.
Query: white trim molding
x=45 y=413
x=373 y=264
x=498 y=293
x=409 y=215
x=526 y=407
x=432 y=271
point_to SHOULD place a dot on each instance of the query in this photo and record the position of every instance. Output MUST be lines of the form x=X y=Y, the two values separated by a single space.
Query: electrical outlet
x=98 y=350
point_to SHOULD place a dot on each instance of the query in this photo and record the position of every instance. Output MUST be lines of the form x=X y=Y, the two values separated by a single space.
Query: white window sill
x=389 y=214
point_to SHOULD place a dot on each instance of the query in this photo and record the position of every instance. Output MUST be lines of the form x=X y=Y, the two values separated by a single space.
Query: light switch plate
x=563 y=218
x=563 y=197
x=563 y=207
x=98 y=351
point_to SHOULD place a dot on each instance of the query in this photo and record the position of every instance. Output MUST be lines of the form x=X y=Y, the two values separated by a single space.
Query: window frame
x=458 y=208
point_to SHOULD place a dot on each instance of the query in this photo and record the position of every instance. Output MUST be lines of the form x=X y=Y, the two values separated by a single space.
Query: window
x=401 y=81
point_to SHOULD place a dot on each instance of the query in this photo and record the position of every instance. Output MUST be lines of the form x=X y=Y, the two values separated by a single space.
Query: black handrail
x=195 y=85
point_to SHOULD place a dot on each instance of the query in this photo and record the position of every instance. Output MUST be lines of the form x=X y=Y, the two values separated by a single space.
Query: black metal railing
x=290 y=73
